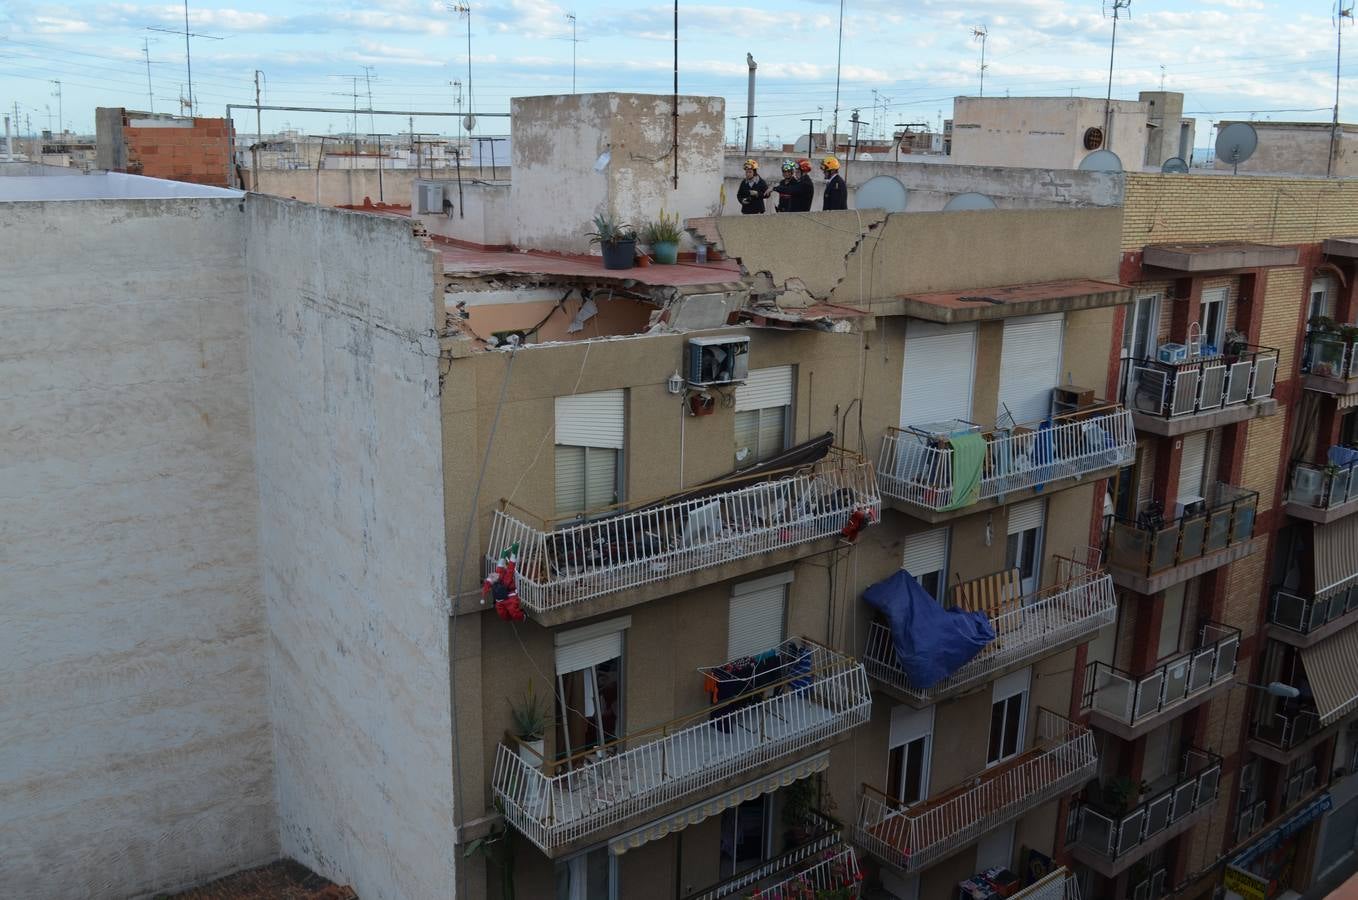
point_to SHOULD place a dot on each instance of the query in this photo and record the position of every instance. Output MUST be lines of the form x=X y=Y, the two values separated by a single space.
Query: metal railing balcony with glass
x=825 y=841
x=1026 y=627
x=565 y=562
x=916 y=464
x=1286 y=726
x=1109 y=840
x=1063 y=757
x=1151 y=545
x=1305 y=615
x=1198 y=386
x=556 y=803
x=1114 y=697
x=1314 y=490
x=1326 y=354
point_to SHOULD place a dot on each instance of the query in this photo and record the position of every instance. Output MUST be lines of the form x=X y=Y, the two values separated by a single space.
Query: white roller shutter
x=936 y=377
x=591 y=420
x=1025 y=516
x=926 y=552
x=765 y=388
x=758 y=612
x=908 y=723
x=1030 y=366
x=589 y=646
x=1190 y=466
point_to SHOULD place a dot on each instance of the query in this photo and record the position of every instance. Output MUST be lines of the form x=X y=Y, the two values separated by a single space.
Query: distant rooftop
x=102 y=186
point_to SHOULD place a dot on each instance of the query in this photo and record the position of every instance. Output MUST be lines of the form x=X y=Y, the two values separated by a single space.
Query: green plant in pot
x=530 y=725
x=662 y=236
x=617 y=241
x=799 y=802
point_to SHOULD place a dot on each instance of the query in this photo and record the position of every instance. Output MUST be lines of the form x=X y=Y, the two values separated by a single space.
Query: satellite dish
x=969 y=200
x=469 y=122
x=881 y=192
x=1237 y=143
x=1175 y=165
x=799 y=145
x=866 y=157
x=1101 y=161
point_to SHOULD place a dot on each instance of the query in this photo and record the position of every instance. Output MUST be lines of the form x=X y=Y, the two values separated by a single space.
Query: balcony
x=835 y=872
x=1129 y=706
x=1283 y=731
x=1170 y=399
x=1058 y=884
x=1151 y=553
x=681 y=542
x=1109 y=842
x=911 y=838
x=1028 y=627
x=1330 y=362
x=1322 y=494
x=826 y=842
x=1300 y=620
x=917 y=469
x=562 y=805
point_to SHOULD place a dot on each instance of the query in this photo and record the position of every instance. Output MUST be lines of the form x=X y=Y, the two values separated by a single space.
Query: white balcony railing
x=837 y=871
x=566 y=562
x=827 y=842
x=557 y=802
x=1037 y=624
x=917 y=467
x=1059 y=884
x=1062 y=759
x=1132 y=699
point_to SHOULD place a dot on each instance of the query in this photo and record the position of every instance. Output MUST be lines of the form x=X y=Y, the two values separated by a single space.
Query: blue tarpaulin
x=930 y=642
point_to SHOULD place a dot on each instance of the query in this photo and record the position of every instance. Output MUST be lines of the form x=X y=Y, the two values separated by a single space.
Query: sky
x=902 y=60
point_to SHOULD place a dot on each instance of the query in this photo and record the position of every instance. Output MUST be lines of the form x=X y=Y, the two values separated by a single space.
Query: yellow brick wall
x=1243 y=592
x=1263 y=450
x=1166 y=208
x=1282 y=304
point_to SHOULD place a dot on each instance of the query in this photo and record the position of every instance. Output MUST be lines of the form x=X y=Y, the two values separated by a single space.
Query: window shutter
x=570 y=480
x=747 y=437
x=591 y=645
x=1025 y=516
x=756 y=620
x=1190 y=466
x=926 y=552
x=936 y=376
x=591 y=420
x=908 y=723
x=1030 y=366
x=771 y=422
x=601 y=477
x=764 y=388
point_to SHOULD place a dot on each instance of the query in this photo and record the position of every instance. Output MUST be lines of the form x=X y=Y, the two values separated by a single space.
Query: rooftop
x=1011 y=300
x=103 y=186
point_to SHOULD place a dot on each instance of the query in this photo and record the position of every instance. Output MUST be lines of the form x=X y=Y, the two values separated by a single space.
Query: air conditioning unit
x=1171 y=354
x=714 y=361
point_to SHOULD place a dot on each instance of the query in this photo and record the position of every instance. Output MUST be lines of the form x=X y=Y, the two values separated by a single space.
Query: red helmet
x=804 y=165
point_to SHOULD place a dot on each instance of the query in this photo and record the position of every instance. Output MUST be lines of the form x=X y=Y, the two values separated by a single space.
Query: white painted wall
x=347 y=424
x=480 y=213
x=1042 y=132
x=135 y=750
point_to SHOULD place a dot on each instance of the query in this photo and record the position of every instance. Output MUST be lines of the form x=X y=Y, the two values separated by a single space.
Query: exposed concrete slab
x=1337 y=386
x=1217 y=257
x=1143 y=726
x=1015 y=300
x=1344 y=248
x=1153 y=584
x=1320 y=516
x=1241 y=412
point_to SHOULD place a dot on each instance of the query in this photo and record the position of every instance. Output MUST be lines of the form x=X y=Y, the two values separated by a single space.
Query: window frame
x=1014 y=686
x=1220 y=297
x=590 y=509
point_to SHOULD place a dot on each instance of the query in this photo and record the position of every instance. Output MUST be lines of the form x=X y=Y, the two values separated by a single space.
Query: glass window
x=588 y=707
x=1348 y=429
x=1319 y=307
x=586 y=479
x=760 y=434
x=1212 y=316
x=1006 y=721
x=744 y=835
x=906 y=770
x=1138 y=335
x=588 y=876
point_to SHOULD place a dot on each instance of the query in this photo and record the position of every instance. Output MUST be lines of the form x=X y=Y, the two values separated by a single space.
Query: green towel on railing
x=968 y=455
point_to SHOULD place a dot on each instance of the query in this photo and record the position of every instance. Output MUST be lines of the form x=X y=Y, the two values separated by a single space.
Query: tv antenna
x=368 y=80
x=188 y=49
x=1342 y=12
x=463 y=9
x=980 y=33
x=146 y=52
x=570 y=17
x=1113 y=8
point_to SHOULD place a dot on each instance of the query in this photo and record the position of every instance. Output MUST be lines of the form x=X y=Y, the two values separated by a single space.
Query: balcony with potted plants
x=1027 y=627
x=1130 y=705
x=1300 y=619
x=622 y=555
x=912 y=837
x=1330 y=358
x=1324 y=493
x=1120 y=822
x=1178 y=392
x=1150 y=553
x=810 y=840
x=775 y=726
x=940 y=471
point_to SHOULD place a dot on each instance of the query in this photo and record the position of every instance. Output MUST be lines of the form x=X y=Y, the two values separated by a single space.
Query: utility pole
x=981 y=33
x=574 y=41
x=853 y=144
x=1338 y=54
x=811 y=136
x=146 y=52
x=465 y=9
x=61 y=120
x=1118 y=7
x=259 y=134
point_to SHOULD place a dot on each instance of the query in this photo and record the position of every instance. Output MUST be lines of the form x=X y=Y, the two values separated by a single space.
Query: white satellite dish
x=866 y=157
x=799 y=145
x=1101 y=161
x=469 y=122
x=881 y=192
x=968 y=201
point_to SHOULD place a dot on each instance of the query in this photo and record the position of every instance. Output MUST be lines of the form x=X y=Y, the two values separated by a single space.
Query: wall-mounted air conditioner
x=717 y=360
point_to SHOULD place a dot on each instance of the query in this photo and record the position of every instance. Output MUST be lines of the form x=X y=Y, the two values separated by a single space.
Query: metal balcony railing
x=565 y=562
x=911 y=837
x=1026 y=627
x=1151 y=544
x=1323 y=487
x=1130 y=699
x=835 y=870
x=916 y=466
x=1285 y=725
x=1058 y=884
x=1304 y=614
x=1114 y=835
x=827 y=836
x=556 y=802
x=1299 y=785
x=1326 y=354
x=1198 y=386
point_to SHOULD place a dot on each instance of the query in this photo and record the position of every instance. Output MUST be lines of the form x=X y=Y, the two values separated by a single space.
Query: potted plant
x=617 y=241
x=530 y=726
x=799 y=802
x=662 y=236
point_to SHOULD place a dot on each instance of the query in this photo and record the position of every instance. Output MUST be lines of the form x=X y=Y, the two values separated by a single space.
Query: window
x=1171 y=621
x=909 y=746
x=745 y=834
x=589 y=442
x=1348 y=429
x=926 y=558
x=937 y=373
x=587 y=876
x=763 y=415
x=1024 y=548
x=589 y=686
x=1322 y=289
x=1008 y=710
x=1030 y=366
x=1139 y=330
x=1212 y=317
x=758 y=611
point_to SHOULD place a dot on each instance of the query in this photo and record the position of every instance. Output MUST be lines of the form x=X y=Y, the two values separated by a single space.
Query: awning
x=1335 y=554
x=1346 y=401
x=695 y=814
x=1332 y=674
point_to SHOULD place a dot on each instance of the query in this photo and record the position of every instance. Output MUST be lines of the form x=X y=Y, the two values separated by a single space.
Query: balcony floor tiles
x=1112 y=725
x=934 y=517
x=1308 y=513
x=1284 y=635
x=1241 y=412
x=1111 y=868
x=1153 y=584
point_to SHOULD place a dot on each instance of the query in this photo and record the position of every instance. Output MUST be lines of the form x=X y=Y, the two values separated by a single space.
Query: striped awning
x=695 y=814
x=1347 y=401
x=1336 y=556
x=1332 y=674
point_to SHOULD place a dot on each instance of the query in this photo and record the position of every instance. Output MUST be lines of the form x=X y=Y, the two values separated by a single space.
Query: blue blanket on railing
x=931 y=642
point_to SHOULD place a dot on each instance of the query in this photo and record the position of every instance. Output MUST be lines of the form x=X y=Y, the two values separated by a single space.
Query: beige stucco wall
x=338 y=187
x=1298 y=149
x=1043 y=132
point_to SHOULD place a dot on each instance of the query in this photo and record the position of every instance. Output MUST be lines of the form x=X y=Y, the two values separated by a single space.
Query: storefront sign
x=1243 y=884
x=1284 y=830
